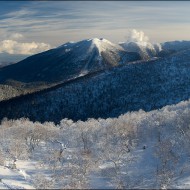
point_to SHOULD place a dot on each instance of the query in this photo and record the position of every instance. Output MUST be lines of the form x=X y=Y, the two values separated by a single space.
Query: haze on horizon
x=30 y=27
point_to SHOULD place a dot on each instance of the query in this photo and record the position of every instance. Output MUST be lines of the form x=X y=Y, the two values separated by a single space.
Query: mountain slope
x=172 y=47
x=176 y=45
x=148 y=50
x=145 y=49
x=144 y=85
x=65 y=62
x=7 y=59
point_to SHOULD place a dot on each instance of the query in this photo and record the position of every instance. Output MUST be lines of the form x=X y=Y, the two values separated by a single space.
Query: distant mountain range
x=95 y=78
x=8 y=59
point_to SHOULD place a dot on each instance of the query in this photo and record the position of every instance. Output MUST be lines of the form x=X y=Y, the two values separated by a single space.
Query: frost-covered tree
x=40 y=181
x=167 y=162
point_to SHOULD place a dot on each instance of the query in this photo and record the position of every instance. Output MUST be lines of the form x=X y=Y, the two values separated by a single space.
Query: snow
x=68 y=44
x=145 y=49
x=139 y=164
x=106 y=165
x=24 y=174
x=144 y=164
x=102 y=44
x=67 y=50
x=13 y=178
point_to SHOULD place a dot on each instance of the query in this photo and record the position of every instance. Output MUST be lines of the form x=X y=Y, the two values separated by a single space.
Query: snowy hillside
x=136 y=150
x=75 y=59
x=176 y=45
x=144 y=85
x=138 y=42
x=146 y=50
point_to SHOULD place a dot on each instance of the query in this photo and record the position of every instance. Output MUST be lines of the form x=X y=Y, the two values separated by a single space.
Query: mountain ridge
x=65 y=62
x=143 y=85
x=105 y=92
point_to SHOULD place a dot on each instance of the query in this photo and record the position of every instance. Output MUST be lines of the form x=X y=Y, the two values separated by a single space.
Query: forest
x=144 y=85
x=136 y=150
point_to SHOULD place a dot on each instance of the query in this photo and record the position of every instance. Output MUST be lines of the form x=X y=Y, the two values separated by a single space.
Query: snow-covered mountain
x=172 y=47
x=146 y=50
x=176 y=45
x=65 y=62
x=90 y=79
x=143 y=85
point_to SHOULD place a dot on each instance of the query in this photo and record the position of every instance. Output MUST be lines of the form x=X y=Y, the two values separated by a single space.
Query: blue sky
x=54 y=23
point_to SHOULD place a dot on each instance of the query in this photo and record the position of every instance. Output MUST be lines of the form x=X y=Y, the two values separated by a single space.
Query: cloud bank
x=13 y=46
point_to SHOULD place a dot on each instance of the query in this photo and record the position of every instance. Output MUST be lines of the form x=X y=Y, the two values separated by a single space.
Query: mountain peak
x=93 y=42
x=102 y=44
x=98 y=41
x=65 y=63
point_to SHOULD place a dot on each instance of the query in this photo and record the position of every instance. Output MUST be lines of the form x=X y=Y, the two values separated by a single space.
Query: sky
x=28 y=27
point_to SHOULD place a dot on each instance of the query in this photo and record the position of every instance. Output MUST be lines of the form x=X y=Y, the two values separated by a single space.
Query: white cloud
x=141 y=39
x=137 y=36
x=19 y=13
x=14 y=47
x=16 y=36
